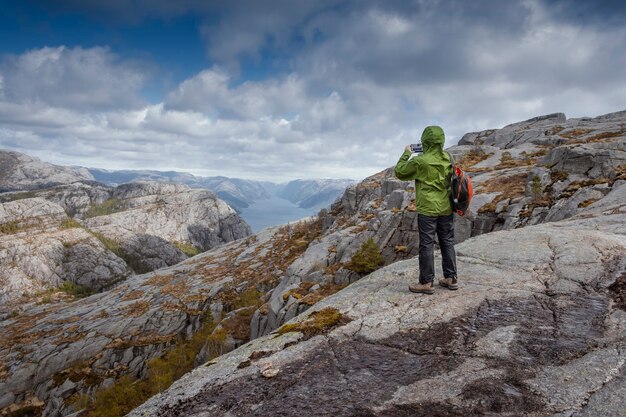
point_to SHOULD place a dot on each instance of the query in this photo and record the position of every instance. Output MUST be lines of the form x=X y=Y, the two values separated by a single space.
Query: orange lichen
x=136 y=309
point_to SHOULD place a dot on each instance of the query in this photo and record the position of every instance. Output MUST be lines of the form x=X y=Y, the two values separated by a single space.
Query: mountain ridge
x=564 y=273
x=239 y=193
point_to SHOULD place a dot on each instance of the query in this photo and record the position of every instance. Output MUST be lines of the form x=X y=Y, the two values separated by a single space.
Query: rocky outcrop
x=59 y=350
x=40 y=247
x=564 y=274
x=555 y=169
x=113 y=232
x=238 y=193
x=23 y=172
x=173 y=212
x=535 y=329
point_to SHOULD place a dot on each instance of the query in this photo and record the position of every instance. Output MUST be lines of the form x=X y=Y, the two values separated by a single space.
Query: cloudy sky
x=280 y=90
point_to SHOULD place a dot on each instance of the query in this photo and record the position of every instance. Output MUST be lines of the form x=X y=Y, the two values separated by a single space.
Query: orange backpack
x=461 y=192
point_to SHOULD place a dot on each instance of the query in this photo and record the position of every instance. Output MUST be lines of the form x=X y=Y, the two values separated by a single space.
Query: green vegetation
x=69 y=224
x=46 y=299
x=110 y=244
x=557 y=176
x=471 y=158
x=108 y=207
x=76 y=290
x=10 y=228
x=18 y=196
x=536 y=187
x=319 y=322
x=187 y=248
x=367 y=259
x=129 y=392
x=134 y=262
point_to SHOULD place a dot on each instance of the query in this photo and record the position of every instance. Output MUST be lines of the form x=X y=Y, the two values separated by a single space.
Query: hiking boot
x=422 y=288
x=449 y=283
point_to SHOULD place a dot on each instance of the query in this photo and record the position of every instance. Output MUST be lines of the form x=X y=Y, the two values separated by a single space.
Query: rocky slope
x=93 y=236
x=52 y=353
x=556 y=169
x=538 y=328
x=238 y=193
x=253 y=286
x=23 y=172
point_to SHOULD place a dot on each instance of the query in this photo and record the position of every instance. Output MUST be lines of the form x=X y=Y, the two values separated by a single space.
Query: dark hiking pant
x=443 y=227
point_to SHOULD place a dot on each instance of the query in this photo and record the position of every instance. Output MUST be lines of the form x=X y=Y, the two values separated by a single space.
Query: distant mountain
x=19 y=171
x=239 y=193
x=316 y=193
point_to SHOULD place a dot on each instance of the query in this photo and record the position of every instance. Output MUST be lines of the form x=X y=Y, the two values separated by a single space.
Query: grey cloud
x=365 y=80
x=93 y=78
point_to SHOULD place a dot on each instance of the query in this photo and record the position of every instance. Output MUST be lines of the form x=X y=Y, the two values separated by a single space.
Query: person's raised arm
x=406 y=168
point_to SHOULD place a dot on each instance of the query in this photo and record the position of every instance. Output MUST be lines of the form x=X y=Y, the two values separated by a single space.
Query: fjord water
x=272 y=212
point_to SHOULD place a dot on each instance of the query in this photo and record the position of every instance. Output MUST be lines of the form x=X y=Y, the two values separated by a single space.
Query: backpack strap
x=452 y=164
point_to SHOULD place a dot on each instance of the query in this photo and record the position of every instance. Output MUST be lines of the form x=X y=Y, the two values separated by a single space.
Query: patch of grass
x=557 y=176
x=187 y=248
x=10 y=228
x=76 y=290
x=553 y=130
x=69 y=224
x=587 y=202
x=509 y=187
x=537 y=187
x=576 y=185
x=110 y=244
x=18 y=196
x=318 y=295
x=507 y=161
x=319 y=322
x=238 y=326
x=129 y=392
x=600 y=137
x=299 y=236
x=111 y=206
x=367 y=259
x=575 y=133
x=46 y=299
x=471 y=158
x=233 y=300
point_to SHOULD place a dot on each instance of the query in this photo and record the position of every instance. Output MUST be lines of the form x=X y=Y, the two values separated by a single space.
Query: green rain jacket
x=431 y=171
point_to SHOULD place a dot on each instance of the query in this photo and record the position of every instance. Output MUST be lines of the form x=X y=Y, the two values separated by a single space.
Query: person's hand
x=408 y=148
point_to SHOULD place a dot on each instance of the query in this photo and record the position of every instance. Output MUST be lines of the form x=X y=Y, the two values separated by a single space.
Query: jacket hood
x=433 y=137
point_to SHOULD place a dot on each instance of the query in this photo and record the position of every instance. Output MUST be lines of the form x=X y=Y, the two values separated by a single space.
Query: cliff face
x=377 y=346
x=547 y=299
x=541 y=170
x=93 y=235
x=62 y=349
x=537 y=328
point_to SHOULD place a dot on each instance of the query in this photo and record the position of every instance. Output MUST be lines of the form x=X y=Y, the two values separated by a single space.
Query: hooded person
x=431 y=171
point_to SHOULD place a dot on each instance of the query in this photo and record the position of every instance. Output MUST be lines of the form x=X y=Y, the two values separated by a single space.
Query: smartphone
x=416 y=148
